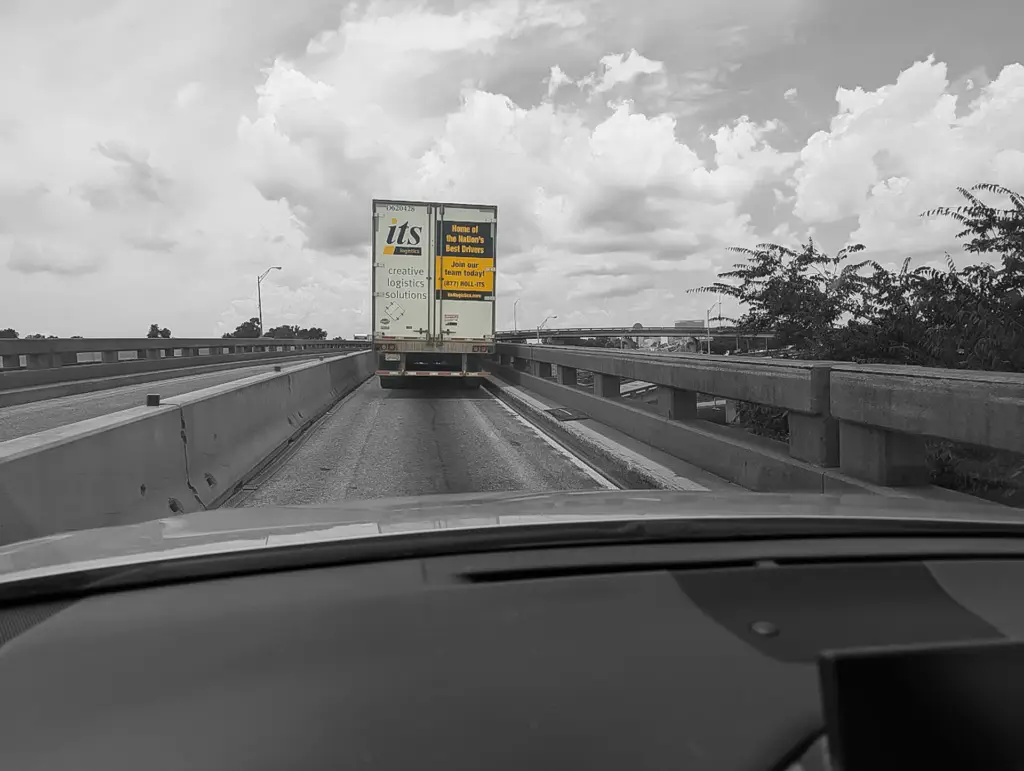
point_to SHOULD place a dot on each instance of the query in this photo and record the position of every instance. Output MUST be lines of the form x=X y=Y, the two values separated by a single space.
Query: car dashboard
x=695 y=656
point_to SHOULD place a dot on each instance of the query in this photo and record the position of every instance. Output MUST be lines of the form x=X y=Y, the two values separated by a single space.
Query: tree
x=156 y=331
x=247 y=329
x=286 y=332
x=283 y=332
x=800 y=295
x=41 y=337
x=977 y=314
x=830 y=307
x=8 y=334
x=834 y=308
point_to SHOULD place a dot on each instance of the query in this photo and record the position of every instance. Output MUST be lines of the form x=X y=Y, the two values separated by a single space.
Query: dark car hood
x=228 y=530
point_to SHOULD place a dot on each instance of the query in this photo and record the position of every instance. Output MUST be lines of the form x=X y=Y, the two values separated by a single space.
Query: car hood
x=229 y=530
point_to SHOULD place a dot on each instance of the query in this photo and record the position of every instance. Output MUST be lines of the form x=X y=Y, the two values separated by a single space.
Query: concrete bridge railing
x=33 y=363
x=850 y=426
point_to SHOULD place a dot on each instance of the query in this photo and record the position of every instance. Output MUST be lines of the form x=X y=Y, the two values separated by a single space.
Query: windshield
x=257 y=256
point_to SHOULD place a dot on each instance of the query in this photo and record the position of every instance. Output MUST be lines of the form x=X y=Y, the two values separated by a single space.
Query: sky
x=155 y=158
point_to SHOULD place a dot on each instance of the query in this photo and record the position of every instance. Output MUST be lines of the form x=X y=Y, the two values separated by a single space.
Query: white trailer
x=433 y=290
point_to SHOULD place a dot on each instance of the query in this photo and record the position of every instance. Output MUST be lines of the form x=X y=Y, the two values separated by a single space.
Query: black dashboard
x=669 y=656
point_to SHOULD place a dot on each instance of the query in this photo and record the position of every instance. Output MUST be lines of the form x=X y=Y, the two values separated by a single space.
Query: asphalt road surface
x=24 y=419
x=384 y=444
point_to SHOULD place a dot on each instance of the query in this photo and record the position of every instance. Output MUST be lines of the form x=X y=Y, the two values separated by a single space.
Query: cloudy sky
x=156 y=157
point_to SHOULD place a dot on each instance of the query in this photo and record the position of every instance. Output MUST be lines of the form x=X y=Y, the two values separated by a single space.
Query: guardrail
x=847 y=423
x=35 y=363
x=62 y=352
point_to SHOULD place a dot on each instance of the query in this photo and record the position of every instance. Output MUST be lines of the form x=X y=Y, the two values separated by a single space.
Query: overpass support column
x=814 y=438
x=542 y=368
x=109 y=357
x=11 y=361
x=676 y=404
x=521 y=365
x=608 y=386
x=567 y=376
x=882 y=457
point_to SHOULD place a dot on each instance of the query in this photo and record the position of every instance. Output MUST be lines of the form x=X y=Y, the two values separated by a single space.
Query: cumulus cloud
x=892 y=153
x=606 y=185
x=600 y=195
x=623 y=155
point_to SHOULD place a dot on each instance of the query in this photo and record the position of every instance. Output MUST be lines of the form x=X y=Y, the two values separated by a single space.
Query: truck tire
x=390 y=381
x=472 y=383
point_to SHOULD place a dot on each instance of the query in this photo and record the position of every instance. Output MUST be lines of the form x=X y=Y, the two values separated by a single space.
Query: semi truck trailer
x=433 y=290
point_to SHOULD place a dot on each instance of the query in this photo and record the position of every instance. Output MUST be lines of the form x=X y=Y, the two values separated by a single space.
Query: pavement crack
x=184 y=449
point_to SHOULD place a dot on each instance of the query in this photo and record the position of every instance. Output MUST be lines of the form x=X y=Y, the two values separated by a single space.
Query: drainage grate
x=564 y=413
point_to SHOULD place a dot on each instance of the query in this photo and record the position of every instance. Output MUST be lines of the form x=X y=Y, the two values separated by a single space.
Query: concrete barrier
x=859 y=424
x=232 y=431
x=188 y=454
x=16 y=396
x=176 y=366
x=800 y=387
x=753 y=462
x=887 y=413
x=111 y=470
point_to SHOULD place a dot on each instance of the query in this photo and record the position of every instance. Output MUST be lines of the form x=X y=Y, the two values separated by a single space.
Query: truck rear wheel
x=390 y=381
x=472 y=383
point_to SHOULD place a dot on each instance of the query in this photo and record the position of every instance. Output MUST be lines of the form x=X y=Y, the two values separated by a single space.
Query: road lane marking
x=582 y=465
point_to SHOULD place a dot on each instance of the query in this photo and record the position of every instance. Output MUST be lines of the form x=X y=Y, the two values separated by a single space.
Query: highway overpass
x=584 y=332
x=322 y=430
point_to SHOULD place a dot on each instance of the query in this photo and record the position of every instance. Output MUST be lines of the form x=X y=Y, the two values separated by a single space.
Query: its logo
x=403 y=239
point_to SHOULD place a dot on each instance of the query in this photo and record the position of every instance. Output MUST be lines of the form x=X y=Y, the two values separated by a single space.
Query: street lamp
x=708 y=320
x=259 y=294
x=515 y=324
x=545 y=321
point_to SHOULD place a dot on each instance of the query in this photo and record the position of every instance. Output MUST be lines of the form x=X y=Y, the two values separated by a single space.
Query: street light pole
x=707 y=322
x=259 y=294
x=541 y=325
x=515 y=324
